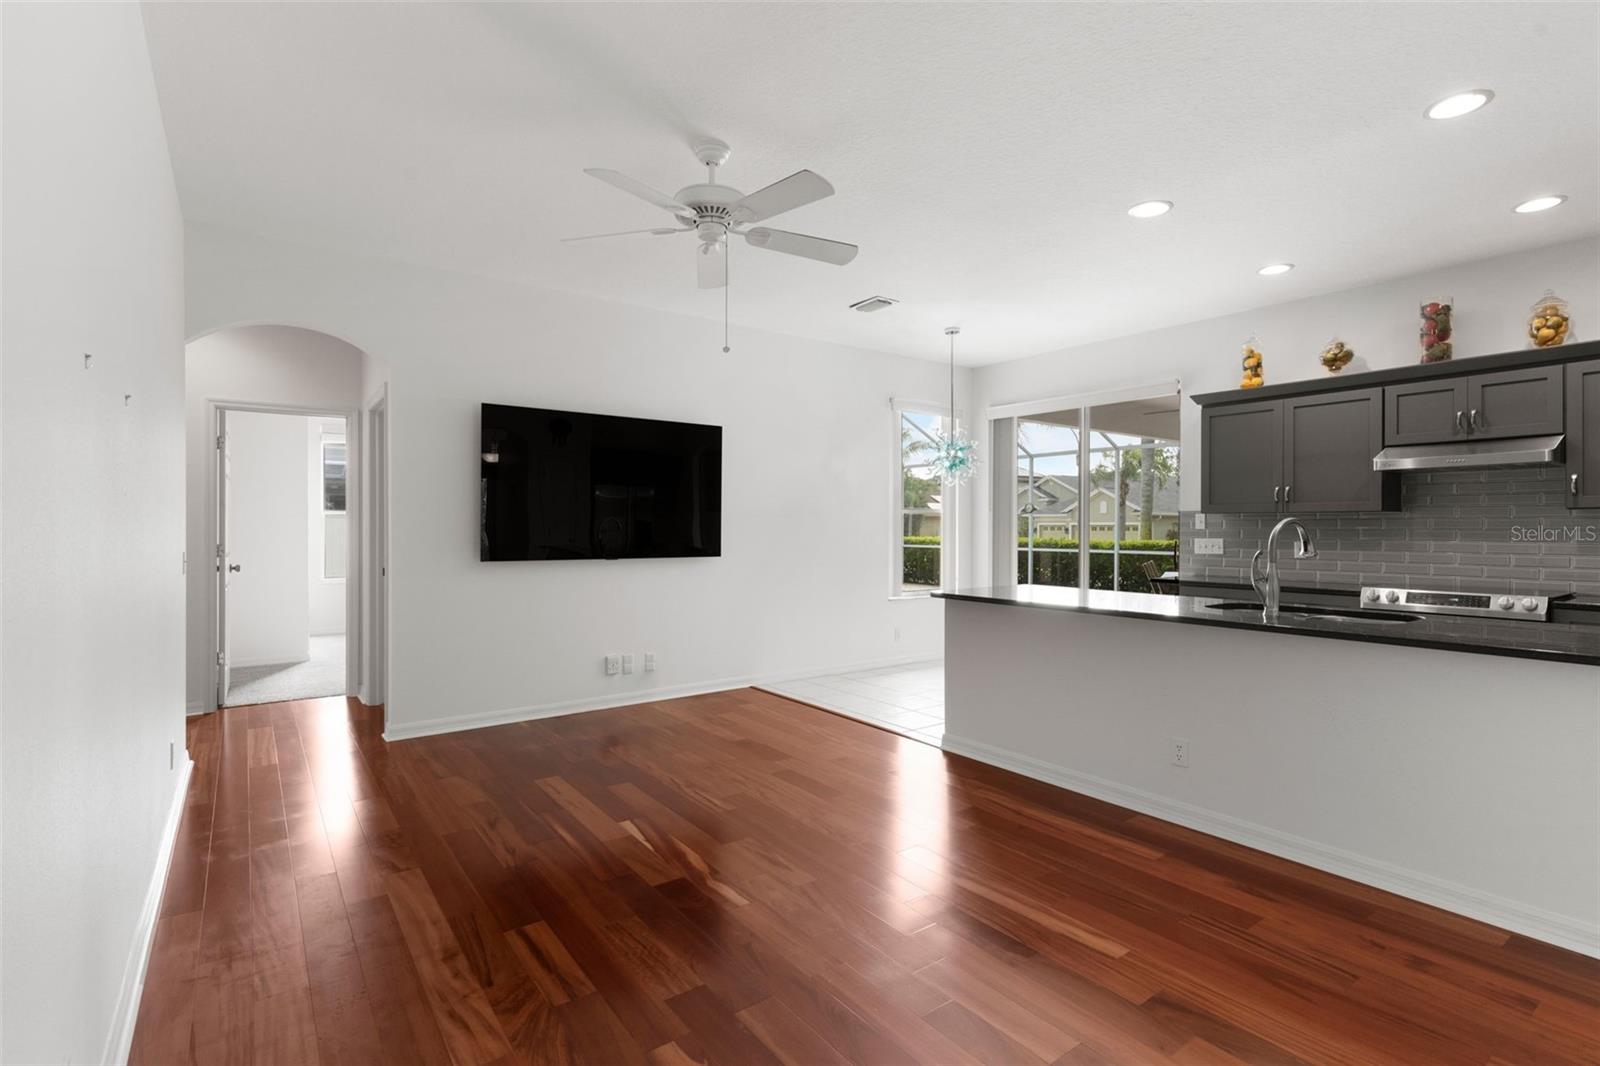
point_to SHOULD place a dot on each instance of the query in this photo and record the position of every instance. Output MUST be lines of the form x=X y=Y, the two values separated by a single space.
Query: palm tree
x=1149 y=466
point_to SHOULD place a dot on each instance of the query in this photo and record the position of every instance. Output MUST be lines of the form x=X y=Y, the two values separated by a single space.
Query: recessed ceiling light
x=1273 y=269
x=1461 y=103
x=1150 y=208
x=1539 y=203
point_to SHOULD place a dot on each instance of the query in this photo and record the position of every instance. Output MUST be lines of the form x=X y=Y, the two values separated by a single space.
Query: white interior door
x=380 y=553
x=224 y=567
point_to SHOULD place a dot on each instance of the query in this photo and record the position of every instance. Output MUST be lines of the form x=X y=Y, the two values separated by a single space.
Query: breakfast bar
x=1412 y=756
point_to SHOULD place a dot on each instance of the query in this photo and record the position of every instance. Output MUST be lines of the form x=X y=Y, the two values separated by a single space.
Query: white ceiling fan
x=713 y=212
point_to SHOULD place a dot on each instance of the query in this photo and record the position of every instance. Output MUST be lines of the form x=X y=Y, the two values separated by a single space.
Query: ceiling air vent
x=873 y=303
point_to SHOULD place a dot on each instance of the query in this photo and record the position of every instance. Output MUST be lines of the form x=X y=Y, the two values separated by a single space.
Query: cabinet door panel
x=1241 y=457
x=1583 y=434
x=1515 y=403
x=1328 y=444
x=1425 y=412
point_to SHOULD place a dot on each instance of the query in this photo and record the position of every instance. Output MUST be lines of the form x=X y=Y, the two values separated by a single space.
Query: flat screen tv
x=567 y=485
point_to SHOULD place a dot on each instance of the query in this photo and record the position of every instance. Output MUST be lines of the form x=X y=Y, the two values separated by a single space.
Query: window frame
x=342 y=440
x=949 y=506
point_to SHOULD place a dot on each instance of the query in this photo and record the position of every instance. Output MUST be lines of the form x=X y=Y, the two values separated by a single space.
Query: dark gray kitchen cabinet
x=1583 y=434
x=1515 y=403
x=1241 y=458
x=1303 y=454
x=1328 y=443
x=1425 y=412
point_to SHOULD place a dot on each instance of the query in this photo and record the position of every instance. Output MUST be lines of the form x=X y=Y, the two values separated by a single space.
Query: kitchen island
x=1457 y=763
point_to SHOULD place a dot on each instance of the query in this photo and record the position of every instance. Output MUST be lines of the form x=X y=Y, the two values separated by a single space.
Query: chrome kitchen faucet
x=1264 y=576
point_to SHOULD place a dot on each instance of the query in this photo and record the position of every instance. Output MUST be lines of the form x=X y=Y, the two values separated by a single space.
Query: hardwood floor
x=740 y=879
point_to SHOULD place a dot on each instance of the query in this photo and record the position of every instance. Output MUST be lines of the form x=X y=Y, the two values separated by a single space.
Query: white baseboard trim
x=119 y=1042
x=268 y=660
x=1548 y=926
x=433 y=726
x=194 y=707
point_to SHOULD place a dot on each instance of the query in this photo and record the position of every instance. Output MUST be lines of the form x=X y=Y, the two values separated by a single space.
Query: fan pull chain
x=727 y=283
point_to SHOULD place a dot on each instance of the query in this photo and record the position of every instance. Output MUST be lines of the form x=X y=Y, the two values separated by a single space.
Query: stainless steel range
x=1474 y=604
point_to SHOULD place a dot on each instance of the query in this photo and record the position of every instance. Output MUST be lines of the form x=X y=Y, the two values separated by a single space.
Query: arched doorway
x=285 y=571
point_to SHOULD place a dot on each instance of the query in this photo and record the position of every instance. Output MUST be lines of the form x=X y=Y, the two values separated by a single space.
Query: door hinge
x=219 y=659
x=222 y=441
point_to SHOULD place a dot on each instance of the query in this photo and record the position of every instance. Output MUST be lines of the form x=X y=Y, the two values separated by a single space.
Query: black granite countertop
x=1549 y=641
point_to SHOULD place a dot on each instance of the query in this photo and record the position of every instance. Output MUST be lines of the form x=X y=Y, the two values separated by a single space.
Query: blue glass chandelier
x=955 y=455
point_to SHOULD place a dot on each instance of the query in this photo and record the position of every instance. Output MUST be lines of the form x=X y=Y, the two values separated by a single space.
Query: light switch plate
x=1208 y=545
x=613 y=665
x=1199 y=520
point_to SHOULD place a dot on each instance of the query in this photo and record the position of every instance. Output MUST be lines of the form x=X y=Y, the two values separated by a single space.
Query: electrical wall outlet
x=649 y=662
x=1208 y=545
x=1199 y=520
x=1180 y=751
x=613 y=665
x=627 y=662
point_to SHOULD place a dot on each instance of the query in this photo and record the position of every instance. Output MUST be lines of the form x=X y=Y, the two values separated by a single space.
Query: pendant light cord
x=727 y=283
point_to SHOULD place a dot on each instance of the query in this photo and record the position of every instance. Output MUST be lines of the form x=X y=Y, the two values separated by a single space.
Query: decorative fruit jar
x=1336 y=356
x=1548 y=325
x=1436 y=330
x=1251 y=365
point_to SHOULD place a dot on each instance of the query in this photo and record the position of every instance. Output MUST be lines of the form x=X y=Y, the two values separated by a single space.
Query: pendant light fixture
x=956 y=455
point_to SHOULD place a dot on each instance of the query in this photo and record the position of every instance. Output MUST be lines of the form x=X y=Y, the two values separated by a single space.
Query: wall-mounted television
x=568 y=485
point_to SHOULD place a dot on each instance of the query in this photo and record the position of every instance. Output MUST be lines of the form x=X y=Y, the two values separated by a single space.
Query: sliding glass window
x=1104 y=479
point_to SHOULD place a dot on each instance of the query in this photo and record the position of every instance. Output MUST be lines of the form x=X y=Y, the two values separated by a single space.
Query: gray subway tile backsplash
x=1466 y=530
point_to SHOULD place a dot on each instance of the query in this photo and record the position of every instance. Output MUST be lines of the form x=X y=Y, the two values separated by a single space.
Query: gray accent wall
x=1467 y=530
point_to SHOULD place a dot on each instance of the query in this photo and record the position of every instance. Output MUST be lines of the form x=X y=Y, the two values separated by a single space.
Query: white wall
x=249 y=364
x=802 y=583
x=269 y=610
x=1492 y=299
x=326 y=595
x=1430 y=773
x=91 y=532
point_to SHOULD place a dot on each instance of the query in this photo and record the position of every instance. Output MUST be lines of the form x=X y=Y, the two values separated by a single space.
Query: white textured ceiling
x=984 y=155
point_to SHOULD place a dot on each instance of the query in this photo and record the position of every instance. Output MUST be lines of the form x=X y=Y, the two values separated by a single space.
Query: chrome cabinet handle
x=1275 y=491
x=1461 y=422
x=1474 y=420
x=1573 y=483
x=1286 y=490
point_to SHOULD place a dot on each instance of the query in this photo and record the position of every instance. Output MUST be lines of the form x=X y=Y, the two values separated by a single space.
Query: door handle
x=233 y=568
x=1275 y=491
x=1475 y=421
x=1572 y=483
x=1461 y=422
x=1286 y=490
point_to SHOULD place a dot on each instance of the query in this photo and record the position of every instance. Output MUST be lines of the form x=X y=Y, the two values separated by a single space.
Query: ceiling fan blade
x=711 y=264
x=797 y=190
x=819 y=248
x=637 y=188
x=621 y=233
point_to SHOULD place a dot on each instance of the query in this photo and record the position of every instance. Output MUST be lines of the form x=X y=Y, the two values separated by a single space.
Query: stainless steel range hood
x=1467 y=454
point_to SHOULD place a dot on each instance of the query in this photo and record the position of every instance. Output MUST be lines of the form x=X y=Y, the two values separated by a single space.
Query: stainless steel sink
x=1320 y=614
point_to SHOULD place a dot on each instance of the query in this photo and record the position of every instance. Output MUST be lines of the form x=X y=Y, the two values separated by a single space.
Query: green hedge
x=921 y=561
x=921 y=556
x=1061 y=567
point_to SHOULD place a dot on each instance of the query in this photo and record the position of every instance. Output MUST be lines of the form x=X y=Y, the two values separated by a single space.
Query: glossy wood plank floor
x=740 y=879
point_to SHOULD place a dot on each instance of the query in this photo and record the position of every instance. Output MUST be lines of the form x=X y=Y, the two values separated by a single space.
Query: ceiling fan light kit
x=713 y=212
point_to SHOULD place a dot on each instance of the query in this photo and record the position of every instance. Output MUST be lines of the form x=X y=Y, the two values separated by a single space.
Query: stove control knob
x=1530 y=604
x=1505 y=603
x=1370 y=595
x=1391 y=596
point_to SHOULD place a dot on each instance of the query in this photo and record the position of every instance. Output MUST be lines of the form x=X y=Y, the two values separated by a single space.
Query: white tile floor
x=908 y=700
